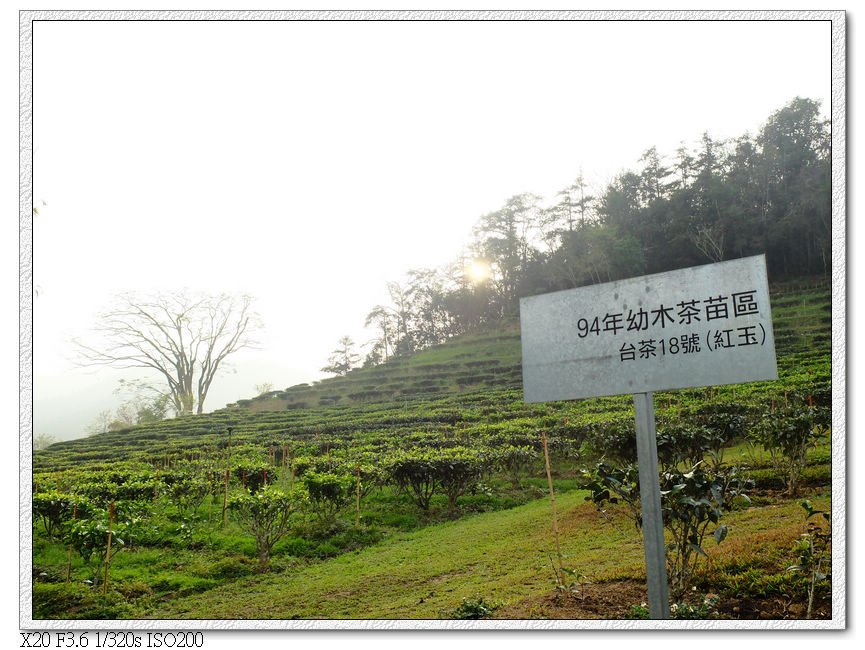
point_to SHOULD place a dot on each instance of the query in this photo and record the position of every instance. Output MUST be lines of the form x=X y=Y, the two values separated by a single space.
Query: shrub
x=516 y=461
x=254 y=475
x=267 y=515
x=682 y=442
x=787 y=435
x=89 y=537
x=451 y=471
x=473 y=609
x=187 y=492
x=328 y=493
x=814 y=550
x=690 y=502
x=55 y=509
x=614 y=440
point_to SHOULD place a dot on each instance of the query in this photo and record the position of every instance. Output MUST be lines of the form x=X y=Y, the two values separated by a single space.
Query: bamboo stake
x=225 y=496
x=69 y=563
x=225 y=500
x=210 y=494
x=552 y=498
x=357 y=517
x=108 y=549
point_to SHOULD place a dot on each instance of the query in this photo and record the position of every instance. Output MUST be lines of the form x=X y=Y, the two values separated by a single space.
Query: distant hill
x=454 y=384
x=486 y=359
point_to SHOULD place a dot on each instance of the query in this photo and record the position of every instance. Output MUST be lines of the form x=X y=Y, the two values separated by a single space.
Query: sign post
x=702 y=326
x=650 y=503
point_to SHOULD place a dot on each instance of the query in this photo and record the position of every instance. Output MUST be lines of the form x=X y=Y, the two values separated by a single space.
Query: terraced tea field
x=414 y=485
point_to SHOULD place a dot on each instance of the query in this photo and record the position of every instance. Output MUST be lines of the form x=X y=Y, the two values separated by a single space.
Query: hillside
x=188 y=556
x=475 y=373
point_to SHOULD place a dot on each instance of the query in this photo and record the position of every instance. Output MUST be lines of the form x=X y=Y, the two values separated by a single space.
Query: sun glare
x=478 y=271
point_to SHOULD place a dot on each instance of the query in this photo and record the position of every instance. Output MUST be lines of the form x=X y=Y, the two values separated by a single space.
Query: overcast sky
x=309 y=163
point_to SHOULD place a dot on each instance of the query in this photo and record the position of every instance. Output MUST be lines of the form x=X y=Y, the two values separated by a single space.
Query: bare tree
x=709 y=239
x=263 y=387
x=182 y=337
x=42 y=441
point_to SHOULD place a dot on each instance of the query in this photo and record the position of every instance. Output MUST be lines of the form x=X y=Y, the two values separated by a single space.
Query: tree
x=384 y=320
x=43 y=440
x=505 y=238
x=183 y=338
x=263 y=388
x=343 y=359
x=101 y=424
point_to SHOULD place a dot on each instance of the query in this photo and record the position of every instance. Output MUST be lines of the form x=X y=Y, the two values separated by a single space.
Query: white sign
x=701 y=326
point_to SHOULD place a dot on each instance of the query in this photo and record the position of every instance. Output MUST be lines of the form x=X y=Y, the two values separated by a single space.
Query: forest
x=768 y=193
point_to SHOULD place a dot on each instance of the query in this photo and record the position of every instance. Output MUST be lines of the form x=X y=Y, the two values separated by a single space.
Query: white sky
x=309 y=163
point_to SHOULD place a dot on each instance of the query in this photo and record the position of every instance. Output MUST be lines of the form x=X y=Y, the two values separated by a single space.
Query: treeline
x=769 y=193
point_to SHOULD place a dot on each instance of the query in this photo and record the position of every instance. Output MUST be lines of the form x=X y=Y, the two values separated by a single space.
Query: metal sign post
x=650 y=500
x=702 y=326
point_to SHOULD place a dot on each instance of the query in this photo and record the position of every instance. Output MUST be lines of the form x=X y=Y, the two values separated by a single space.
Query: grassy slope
x=505 y=557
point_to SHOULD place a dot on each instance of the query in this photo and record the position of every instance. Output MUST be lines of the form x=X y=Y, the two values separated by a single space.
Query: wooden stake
x=225 y=500
x=552 y=498
x=357 y=517
x=108 y=549
x=69 y=564
x=227 y=464
x=210 y=494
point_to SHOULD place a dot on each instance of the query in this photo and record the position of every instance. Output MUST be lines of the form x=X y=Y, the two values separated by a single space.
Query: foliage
x=516 y=461
x=451 y=471
x=787 y=435
x=42 y=441
x=814 y=550
x=187 y=491
x=55 y=509
x=688 y=611
x=681 y=442
x=267 y=515
x=253 y=475
x=690 y=503
x=615 y=440
x=478 y=406
x=473 y=609
x=609 y=484
x=721 y=200
x=89 y=536
x=329 y=493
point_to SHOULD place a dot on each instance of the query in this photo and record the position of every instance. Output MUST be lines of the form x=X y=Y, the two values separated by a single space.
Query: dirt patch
x=609 y=600
x=620 y=600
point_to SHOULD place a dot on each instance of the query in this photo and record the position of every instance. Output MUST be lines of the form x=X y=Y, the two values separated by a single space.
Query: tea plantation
x=420 y=489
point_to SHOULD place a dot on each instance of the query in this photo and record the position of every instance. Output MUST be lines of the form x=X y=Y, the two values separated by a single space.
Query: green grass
x=503 y=557
x=418 y=574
